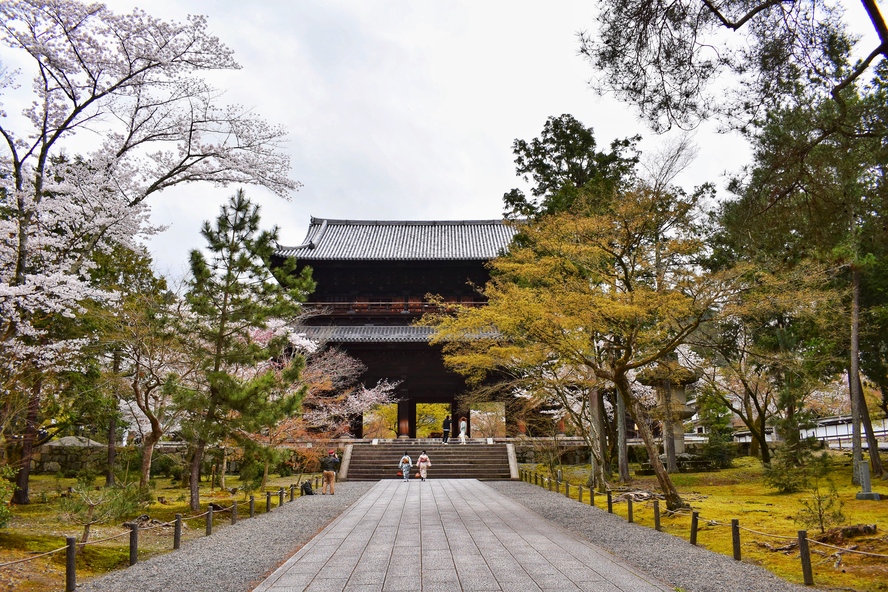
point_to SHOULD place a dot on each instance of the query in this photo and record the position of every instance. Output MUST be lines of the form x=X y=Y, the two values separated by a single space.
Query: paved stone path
x=394 y=538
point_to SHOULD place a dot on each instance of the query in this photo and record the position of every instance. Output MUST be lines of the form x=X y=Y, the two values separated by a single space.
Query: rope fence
x=133 y=529
x=802 y=540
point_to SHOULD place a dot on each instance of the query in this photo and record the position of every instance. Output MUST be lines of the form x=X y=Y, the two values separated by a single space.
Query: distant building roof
x=402 y=240
x=368 y=334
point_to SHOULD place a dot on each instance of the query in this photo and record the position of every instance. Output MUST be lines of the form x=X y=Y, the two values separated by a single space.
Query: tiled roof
x=368 y=334
x=402 y=240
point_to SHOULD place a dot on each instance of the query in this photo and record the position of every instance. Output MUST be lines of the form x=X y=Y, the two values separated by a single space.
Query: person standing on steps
x=329 y=465
x=423 y=463
x=446 y=427
x=463 y=426
x=405 y=466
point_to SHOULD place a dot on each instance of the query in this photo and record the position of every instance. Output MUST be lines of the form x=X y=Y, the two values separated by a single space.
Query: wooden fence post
x=70 y=564
x=209 y=519
x=695 y=517
x=629 y=509
x=805 y=554
x=610 y=503
x=292 y=492
x=280 y=497
x=267 y=502
x=735 y=537
x=580 y=493
x=566 y=489
x=252 y=506
x=134 y=543
x=656 y=514
x=177 y=532
x=234 y=512
x=592 y=496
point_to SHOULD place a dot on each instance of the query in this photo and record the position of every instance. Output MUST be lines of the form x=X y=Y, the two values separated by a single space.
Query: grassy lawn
x=40 y=527
x=740 y=493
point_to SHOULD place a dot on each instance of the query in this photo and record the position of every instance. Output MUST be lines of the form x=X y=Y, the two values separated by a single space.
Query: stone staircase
x=474 y=460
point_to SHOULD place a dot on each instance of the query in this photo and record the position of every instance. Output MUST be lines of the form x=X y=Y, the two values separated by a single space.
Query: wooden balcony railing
x=416 y=307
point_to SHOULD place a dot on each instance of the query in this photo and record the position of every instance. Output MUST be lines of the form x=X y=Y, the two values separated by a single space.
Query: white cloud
x=401 y=110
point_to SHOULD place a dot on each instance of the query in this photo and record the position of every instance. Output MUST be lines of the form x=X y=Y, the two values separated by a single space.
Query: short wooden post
x=656 y=514
x=536 y=478
x=629 y=509
x=580 y=493
x=292 y=491
x=234 y=512
x=735 y=537
x=280 y=497
x=695 y=518
x=610 y=503
x=549 y=480
x=592 y=497
x=805 y=554
x=177 y=532
x=252 y=506
x=209 y=519
x=267 y=502
x=134 y=543
x=70 y=564
x=566 y=489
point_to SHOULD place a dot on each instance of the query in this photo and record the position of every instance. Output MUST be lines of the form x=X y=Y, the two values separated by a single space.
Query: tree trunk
x=596 y=451
x=112 y=450
x=148 y=444
x=853 y=376
x=194 y=476
x=112 y=428
x=670 y=493
x=871 y=443
x=224 y=468
x=21 y=494
x=603 y=435
x=668 y=437
x=622 y=447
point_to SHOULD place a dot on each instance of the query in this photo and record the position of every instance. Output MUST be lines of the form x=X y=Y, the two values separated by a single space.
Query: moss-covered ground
x=740 y=493
x=40 y=527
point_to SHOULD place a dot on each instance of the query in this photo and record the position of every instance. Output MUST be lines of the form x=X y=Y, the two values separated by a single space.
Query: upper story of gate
x=383 y=268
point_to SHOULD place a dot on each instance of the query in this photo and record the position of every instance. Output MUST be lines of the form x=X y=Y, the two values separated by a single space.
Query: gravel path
x=236 y=558
x=671 y=559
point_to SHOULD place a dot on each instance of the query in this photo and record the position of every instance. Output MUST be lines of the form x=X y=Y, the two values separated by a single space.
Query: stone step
x=476 y=460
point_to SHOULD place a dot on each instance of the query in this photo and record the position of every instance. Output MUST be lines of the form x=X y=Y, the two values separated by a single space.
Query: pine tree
x=232 y=294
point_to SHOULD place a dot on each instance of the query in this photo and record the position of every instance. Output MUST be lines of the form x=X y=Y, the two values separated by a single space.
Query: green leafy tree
x=234 y=296
x=682 y=61
x=89 y=505
x=563 y=163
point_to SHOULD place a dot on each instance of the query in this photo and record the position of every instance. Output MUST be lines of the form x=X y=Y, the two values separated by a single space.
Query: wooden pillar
x=404 y=419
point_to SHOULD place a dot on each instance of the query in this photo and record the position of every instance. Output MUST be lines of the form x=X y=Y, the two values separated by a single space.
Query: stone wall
x=69 y=460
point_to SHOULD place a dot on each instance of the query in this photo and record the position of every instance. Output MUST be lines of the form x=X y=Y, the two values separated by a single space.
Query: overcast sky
x=402 y=110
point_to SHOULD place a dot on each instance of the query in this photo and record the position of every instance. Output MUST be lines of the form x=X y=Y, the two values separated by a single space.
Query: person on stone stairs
x=405 y=466
x=423 y=463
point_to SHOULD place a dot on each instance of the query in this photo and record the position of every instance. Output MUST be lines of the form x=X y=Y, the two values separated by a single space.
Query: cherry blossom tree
x=124 y=95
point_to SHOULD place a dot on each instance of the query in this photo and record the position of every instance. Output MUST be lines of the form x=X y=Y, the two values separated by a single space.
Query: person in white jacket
x=405 y=466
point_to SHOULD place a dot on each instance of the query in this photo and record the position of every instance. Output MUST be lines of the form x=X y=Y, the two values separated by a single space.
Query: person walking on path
x=446 y=428
x=329 y=466
x=423 y=464
x=405 y=466
x=463 y=426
